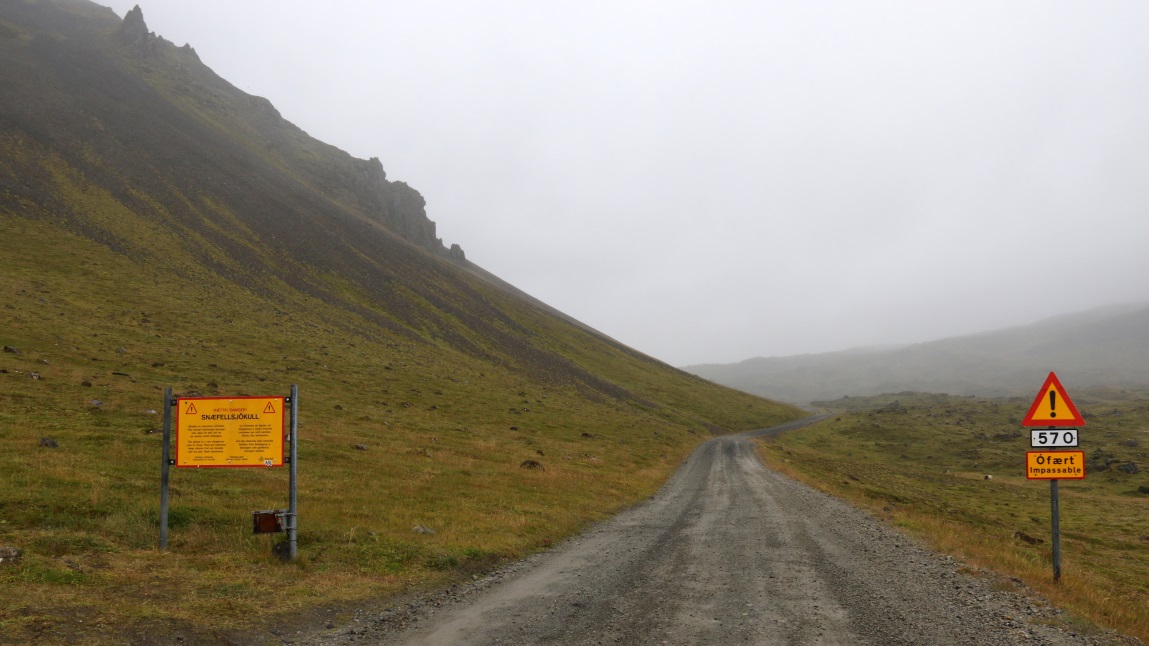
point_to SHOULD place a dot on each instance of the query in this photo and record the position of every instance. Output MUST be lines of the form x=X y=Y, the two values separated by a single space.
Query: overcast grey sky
x=713 y=181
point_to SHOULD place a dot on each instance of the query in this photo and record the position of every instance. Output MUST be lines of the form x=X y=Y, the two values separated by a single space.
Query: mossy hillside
x=442 y=434
x=921 y=461
x=159 y=227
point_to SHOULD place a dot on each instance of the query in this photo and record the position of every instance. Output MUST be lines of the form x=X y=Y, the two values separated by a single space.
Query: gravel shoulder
x=728 y=552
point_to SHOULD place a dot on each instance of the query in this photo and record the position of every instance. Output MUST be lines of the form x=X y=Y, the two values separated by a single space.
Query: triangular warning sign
x=270 y=408
x=1053 y=407
x=191 y=409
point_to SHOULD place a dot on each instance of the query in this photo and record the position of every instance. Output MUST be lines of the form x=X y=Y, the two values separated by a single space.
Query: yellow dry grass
x=915 y=469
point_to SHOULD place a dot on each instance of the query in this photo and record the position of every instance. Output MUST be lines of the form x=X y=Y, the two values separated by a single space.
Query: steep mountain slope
x=113 y=133
x=159 y=227
x=1107 y=347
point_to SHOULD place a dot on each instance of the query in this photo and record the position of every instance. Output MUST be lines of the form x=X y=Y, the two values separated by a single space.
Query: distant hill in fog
x=1106 y=347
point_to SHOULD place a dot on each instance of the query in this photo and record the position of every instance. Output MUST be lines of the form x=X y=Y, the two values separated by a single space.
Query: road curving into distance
x=728 y=552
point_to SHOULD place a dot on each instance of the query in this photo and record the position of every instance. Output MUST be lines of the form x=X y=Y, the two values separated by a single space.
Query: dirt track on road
x=728 y=552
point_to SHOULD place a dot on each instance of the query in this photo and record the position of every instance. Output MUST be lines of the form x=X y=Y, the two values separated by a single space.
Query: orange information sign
x=1052 y=407
x=229 y=432
x=1055 y=465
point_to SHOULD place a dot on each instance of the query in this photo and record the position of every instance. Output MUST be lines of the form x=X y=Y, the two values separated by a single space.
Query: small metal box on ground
x=268 y=521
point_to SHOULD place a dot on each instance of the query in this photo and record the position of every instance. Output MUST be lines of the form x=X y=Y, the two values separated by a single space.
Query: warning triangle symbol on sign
x=1053 y=407
x=191 y=409
x=270 y=408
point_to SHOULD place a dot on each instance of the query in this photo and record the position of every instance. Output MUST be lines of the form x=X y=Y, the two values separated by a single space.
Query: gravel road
x=728 y=552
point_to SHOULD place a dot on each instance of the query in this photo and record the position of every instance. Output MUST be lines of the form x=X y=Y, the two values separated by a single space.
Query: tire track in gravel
x=728 y=552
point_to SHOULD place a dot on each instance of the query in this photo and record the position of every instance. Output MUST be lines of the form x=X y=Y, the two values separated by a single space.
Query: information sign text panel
x=229 y=432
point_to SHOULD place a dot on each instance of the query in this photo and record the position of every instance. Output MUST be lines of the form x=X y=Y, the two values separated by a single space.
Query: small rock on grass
x=9 y=555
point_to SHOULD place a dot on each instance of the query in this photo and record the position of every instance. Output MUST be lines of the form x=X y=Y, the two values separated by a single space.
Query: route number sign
x=229 y=432
x=1052 y=438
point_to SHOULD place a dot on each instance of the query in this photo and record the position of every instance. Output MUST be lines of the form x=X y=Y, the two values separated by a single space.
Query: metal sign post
x=239 y=431
x=1056 y=513
x=292 y=489
x=165 y=470
x=1053 y=409
x=1054 y=465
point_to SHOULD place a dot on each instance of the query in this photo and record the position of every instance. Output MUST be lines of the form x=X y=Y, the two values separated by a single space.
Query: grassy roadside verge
x=396 y=433
x=920 y=462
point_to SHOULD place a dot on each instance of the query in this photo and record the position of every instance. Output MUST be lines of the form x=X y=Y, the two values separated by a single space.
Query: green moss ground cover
x=396 y=432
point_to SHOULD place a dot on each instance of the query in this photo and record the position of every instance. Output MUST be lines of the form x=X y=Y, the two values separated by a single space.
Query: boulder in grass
x=9 y=555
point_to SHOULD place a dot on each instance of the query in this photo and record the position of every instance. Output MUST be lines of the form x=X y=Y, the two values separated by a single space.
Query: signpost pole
x=165 y=470
x=1052 y=408
x=292 y=508
x=1056 y=513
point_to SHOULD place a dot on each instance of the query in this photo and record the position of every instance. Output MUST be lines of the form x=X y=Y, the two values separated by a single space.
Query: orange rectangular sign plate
x=229 y=432
x=1055 y=465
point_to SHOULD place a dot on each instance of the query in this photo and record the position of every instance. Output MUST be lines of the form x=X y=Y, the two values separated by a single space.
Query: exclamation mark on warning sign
x=191 y=409
x=1052 y=404
x=270 y=408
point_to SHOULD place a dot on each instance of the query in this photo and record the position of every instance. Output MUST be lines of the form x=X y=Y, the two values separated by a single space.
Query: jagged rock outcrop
x=134 y=34
x=356 y=183
x=456 y=253
x=407 y=216
x=395 y=205
x=142 y=42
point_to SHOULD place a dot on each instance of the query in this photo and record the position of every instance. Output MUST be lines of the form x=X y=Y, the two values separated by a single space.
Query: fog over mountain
x=708 y=182
x=1106 y=347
